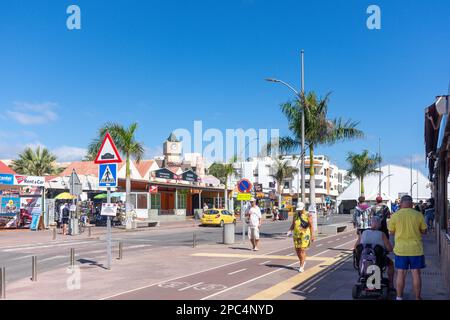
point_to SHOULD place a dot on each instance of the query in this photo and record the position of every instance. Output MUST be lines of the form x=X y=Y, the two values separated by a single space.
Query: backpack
x=368 y=258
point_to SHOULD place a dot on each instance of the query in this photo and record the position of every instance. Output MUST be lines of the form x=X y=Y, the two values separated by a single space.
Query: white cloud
x=417 y=159
x=67 y=154
x=27 y=113
x=150 y=153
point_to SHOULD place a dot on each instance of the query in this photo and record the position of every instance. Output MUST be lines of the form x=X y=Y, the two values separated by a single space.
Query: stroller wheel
x=356 y=292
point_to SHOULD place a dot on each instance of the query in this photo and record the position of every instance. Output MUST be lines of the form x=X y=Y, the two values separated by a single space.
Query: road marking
x=338 y=239
x=185 y=276
x=193 y=285
x=284 y=286
x=266 y=256
x=264 y=262
x=312 y=289
x=319 y=245
x=206 y=270
x=330 y=241
x=51 y=258
x=234 y=272
x=290 y=254
x=47 y=246
x=20 y=258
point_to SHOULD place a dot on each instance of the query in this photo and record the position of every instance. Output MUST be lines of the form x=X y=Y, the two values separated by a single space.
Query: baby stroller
x=365 y=258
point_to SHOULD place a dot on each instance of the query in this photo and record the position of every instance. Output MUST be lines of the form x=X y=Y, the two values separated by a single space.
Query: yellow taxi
x=217 y=217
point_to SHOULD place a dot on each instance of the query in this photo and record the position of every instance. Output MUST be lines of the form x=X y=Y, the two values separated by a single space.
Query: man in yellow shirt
x=408 y=225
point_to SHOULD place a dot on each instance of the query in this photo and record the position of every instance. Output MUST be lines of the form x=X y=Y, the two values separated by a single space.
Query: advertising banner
x=30 y=191
x=6 y=179
x=29 y=181
x=9 y=212
x=31 y=209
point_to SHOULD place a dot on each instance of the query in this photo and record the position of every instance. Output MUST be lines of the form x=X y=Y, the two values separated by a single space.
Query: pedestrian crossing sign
x=107 y=175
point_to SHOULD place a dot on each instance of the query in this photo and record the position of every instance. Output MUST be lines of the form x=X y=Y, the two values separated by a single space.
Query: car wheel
x=234 y=221
x=221 y=224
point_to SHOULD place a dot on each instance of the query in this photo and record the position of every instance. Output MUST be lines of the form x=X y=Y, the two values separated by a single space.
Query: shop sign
x=29 y=181
x=109 y=209
x=260 y=195
x=7 y=179
x=164 y=174
x=153 y=189
x=190 y=176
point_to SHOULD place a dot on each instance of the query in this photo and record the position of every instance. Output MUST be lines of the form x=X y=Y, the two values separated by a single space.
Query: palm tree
x=37 y=162
x=125 y=140
x=280 y=172
x=318 y=130
x=223 y=172
x=361 y=165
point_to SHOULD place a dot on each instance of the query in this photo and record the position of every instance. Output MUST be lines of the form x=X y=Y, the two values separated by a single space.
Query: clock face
x=173 y=146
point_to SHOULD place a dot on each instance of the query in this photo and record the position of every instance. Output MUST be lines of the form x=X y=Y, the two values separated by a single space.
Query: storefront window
x=156 y=201
x=182 y=201
x=142 y=201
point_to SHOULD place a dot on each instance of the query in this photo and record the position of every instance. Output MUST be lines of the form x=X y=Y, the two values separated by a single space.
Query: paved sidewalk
x=336 y=283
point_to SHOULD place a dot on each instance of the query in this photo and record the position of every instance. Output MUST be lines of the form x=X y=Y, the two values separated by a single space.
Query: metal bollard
x=194 y=240
x=54 y=233
x=3 y=283
x=89 y=231
x=120 y=250
x=72 y=257
x=34 y=268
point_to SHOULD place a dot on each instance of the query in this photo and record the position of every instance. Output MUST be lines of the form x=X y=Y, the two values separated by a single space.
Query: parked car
x=217 y=217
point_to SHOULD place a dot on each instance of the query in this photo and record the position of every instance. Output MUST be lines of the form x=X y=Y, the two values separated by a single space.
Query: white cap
x=252 y=200
x=300 y=206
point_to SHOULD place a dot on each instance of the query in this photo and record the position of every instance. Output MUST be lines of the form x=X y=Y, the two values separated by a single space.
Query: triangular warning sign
x=108 y=176
x=108 y=152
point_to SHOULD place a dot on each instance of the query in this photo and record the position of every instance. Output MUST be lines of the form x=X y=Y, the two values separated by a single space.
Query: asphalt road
x=17 y=259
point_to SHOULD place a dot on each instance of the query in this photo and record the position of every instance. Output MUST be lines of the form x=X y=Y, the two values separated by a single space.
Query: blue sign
x=244 y=186
x=35 y=221
x=6 y=179
x=107 y=175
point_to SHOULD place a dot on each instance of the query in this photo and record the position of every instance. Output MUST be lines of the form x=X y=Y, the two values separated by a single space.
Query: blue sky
x=166 y=64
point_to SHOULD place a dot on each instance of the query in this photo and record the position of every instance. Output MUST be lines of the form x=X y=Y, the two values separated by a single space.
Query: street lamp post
x=299 y=97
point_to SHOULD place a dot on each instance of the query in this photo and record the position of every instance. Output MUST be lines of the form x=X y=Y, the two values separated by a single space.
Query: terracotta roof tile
x=5 y=169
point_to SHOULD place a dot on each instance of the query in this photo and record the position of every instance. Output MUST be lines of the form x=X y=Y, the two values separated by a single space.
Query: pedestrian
x=429 y=214
x=376 y=237
x=275 y=213
x=408 y=226
x=362 y=215
x=65 y=218
x=381 y=211
x=303 y=233
x=395 y=206
x=254 y=221
x=205 y=207
x=60 y=216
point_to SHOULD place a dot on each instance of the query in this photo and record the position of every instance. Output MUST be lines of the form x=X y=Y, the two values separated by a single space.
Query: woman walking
x=303 y=233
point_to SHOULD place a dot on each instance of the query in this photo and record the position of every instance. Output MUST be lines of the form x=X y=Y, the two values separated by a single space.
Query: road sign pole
x=108 y=232
x=243 y=221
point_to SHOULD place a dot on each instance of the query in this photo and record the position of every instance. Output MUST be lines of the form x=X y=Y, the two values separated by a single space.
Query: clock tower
x=172 y=150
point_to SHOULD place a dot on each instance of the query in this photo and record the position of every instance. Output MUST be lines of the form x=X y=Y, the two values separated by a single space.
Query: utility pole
x=411 y=178
x=379 y=163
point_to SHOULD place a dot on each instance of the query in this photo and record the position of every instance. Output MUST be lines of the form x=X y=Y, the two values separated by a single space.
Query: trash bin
x=228 y=233
x=284 y=214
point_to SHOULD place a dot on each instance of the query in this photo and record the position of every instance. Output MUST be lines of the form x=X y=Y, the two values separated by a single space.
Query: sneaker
x=256 y=249
x=301 y=270
x=399 y=298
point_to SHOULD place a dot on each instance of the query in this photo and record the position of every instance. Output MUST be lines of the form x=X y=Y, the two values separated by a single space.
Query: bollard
x=89 y=231
x=194 y=240
x=72 y=257
x=120 y=250
x=3 y=283
x=54 y=233
x=34 y=268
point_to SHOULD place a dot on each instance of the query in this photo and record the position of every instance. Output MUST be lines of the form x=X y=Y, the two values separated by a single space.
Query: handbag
x=304 y=224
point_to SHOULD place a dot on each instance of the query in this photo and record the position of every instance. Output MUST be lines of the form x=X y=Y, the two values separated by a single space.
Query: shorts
x=65 y=221
x=303 y=241
x=409 y=262
x=253 y=233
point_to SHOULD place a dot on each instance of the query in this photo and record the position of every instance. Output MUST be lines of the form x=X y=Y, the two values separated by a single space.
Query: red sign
x=153 y=189
x=244 y=185
x=108 y=152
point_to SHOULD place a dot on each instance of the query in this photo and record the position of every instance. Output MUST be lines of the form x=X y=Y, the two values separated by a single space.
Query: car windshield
x=211 y=212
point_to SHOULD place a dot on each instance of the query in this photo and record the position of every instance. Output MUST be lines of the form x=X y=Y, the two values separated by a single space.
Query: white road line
x=234 y=272
x=264 y=262
x=338 y=239
x=47 y=246
x=290 y=254
x=20 y=258
x=254 y=279
x=202 y=271
x=51 y=258
x=319 y=245
x=330 y=241
x=312 y=289
x=194 y=285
